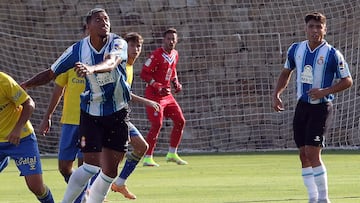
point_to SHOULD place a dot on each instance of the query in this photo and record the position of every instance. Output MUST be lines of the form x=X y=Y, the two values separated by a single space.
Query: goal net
x=231 y=53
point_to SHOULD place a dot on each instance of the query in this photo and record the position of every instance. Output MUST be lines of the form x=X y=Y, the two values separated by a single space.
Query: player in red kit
x=159 y=72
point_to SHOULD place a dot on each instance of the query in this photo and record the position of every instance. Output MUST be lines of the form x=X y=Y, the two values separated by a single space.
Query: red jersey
x=161 y=67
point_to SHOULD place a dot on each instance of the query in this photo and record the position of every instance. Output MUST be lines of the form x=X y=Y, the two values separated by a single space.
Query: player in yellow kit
x=70 y=86
x=17 y=137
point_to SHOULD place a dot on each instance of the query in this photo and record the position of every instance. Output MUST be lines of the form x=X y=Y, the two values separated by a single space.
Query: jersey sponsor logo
x=78 y=81
x=170 y=59
x=317 y=139
x=104 y=78
x=31 y=161
x=307 y=75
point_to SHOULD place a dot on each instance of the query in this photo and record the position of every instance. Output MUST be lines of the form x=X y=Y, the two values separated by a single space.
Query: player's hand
x=45 y=126
x=316 y=93
x=14 y=137
x=161 y=89
x=154 y=105
x=277 y=104
x=177 y=85
x=82 y=69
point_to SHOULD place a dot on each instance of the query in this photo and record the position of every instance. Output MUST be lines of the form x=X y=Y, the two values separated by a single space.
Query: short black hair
x=170 y=30
x=92 y=12
x=315 y=16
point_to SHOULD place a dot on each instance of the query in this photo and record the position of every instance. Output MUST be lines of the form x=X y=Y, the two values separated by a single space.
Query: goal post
x=231 y=53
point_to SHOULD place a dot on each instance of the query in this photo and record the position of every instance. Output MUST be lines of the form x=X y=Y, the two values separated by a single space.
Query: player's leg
x=307 y=173
x=156 y=120
x=139 y=146
x=31 y=169
x=91 y=144
x=115 y=143
x=174 y=112
x=68 y=149
x=4 y=162
x=318 y=124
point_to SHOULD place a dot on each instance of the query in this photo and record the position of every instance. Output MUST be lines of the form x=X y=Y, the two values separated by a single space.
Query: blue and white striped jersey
x=105 y=93
x=315 y=68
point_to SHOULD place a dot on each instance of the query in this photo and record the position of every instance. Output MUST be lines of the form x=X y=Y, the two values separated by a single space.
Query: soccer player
x=159 y=72
x=17 y=137
x=317 y=63
x=100 y=58
x=70 y=86
x=140 y=146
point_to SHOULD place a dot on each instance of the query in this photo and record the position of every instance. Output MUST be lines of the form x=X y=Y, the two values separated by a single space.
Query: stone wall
x=231 y=52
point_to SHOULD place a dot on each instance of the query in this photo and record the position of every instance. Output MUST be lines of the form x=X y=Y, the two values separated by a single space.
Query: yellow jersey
x=74 y=86
x=129 y=74
x=11 y=98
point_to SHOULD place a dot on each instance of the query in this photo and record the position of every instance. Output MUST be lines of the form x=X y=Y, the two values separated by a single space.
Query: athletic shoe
x=173 y=157
x=4 y=163
x=123 y=190
x=149 y=161
x=86 y=197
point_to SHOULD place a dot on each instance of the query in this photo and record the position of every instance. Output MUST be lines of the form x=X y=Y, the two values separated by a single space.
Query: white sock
x=173 y=150
x=99 y=188
x=309 y=182
x=321 y=181
x=78 y=181
x=120 y=181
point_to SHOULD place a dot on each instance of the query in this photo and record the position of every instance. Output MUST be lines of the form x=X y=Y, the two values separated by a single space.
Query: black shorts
x=110 y=131
x=311 y=123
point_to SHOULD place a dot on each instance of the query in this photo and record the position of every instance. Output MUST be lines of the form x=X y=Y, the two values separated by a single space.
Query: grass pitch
x=266 y=177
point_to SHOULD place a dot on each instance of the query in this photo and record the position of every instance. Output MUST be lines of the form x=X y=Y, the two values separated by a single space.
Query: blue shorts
x=26 y=155
x=69 y=140
x=133 y=131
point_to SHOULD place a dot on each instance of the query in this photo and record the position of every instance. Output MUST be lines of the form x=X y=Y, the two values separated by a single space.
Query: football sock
x=309 y=182
x=173 y=150
x=321 y=181
x=99 y=188
x=46 y=197
x=78 y=181
x=131 y=161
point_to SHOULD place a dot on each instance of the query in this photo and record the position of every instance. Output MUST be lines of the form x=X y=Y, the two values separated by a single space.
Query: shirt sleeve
x=343 y=70
x=14 y=92
x=62 y=79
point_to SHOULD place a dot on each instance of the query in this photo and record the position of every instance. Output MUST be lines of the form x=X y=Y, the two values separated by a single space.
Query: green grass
x=212 y=178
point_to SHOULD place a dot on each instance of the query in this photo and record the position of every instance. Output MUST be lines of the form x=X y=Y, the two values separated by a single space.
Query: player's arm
x=41 y=78
x=145 y=101
x=318 y=93
x=112 y=60
x=175 y=82
x=28 y=108
x=146 y=74
x=54 y=101
x=282 y=83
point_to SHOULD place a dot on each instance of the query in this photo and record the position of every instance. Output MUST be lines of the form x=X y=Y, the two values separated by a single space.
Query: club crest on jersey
x=320 y=60
x=170 y=59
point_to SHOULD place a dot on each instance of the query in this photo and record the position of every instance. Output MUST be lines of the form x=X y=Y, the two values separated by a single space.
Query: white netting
x=231 y=53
